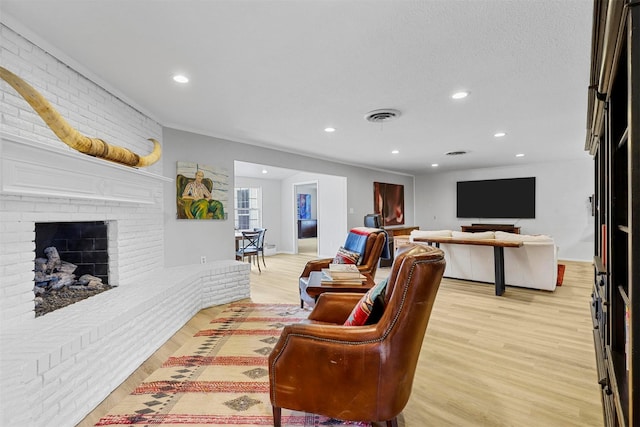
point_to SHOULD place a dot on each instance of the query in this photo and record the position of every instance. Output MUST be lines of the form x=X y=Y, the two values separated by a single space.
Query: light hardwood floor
x=523 y=359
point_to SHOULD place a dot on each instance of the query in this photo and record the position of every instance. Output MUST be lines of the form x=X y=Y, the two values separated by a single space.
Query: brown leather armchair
x=358 y=373
x=370 y=258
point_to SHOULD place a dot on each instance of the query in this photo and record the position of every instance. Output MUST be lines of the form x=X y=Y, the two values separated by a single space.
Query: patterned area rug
x=219 y=378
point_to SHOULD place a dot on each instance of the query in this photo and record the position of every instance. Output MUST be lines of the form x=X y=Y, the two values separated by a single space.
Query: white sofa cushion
x=482 y=235
x=429 y=233
x=501 y=235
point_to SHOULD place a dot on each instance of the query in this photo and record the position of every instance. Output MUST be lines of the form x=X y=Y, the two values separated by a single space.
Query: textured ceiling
x=276 y=73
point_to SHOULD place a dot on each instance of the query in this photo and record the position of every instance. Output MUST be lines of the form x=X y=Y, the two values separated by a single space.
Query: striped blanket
x=357 y=240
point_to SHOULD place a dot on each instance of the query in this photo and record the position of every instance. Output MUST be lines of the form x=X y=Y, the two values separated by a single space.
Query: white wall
x=187 y=240
x=329 y=202
x=562 y=202
x=332 y=211
x=56 y=368
x=88 y=107
x=93 y=111
x=271 y=207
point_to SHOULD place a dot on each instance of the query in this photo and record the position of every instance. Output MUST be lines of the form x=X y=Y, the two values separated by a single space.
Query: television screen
x=497 y=198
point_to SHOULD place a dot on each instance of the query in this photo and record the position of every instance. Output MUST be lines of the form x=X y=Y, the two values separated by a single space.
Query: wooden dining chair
x=250 y=243
x=262 y=231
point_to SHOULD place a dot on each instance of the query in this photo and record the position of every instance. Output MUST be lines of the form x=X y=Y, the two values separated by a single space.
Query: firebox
x=71 y=263
x=81 y=243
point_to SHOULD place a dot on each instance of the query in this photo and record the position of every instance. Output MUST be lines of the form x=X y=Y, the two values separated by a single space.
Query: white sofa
x=532 y=265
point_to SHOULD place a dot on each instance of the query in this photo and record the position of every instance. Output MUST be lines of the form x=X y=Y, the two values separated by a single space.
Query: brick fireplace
x=43 y=184
x=56 y=368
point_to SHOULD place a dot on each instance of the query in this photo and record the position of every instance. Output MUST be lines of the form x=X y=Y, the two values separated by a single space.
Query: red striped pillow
x=345 y=256
x=370 y=307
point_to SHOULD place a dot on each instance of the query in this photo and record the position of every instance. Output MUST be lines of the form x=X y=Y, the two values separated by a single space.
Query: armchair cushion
x=334 y=307
x=345 y=256
x=370 y=307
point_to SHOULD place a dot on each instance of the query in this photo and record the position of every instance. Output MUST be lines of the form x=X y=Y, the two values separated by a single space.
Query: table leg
x=238 y=258
x=498 y=258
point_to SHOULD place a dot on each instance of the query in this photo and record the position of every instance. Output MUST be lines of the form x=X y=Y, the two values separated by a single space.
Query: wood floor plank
x=523 y=359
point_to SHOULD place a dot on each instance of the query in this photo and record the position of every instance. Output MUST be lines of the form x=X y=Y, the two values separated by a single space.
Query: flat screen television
x=497 y=198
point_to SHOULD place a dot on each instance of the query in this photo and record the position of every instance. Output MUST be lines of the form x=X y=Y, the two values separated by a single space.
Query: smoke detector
x=455 y=153
x=381 y=116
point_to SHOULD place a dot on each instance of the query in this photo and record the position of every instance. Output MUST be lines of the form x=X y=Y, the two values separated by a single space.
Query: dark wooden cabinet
x=392 y=233
x=614 y=141
x=307 y=228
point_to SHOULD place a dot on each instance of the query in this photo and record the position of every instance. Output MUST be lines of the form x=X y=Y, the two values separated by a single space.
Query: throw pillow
x=345 y=256
x=370 y=307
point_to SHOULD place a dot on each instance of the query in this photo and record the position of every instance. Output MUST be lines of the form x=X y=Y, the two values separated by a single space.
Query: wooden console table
x=394 y=232
x=508 y=228
x=498 y=252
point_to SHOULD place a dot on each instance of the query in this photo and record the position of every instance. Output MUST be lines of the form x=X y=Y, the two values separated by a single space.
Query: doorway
x=280 y=209
x=306 y=218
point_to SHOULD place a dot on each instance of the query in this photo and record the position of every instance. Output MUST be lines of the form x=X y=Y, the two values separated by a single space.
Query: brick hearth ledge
x=95 y=344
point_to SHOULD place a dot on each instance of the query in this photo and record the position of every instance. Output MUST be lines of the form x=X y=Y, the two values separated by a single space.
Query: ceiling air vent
x=380 y=116
x=455 y=153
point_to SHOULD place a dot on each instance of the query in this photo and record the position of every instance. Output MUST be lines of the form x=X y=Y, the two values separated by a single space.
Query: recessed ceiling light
x=180 y=78
x=499 y=134
x=520 y=155
x=395 y=152
x=329 y=129
x=264 y=171
x=460 y=95
x=434 y=165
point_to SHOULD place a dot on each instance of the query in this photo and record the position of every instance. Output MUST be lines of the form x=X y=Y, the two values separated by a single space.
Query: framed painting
x=304 y=206
x=201 y=191
x=388 y=201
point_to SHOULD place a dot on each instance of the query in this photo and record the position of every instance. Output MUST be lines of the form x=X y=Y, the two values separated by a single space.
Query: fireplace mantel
x=32 y=168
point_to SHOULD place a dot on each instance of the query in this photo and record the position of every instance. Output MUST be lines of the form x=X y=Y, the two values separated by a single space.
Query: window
x=248 y=212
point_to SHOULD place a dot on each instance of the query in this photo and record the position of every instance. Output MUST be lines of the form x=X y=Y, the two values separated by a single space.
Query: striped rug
x=219 y=377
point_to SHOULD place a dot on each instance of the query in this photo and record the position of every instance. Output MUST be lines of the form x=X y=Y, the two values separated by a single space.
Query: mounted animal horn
x=70 y=136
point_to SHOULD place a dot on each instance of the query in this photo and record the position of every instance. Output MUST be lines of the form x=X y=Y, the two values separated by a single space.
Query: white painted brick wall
x=74 y=357
x=56 y=368
x=86 y=106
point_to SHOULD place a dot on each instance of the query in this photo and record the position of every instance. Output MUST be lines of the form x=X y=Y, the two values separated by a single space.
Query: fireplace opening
x=71 y=263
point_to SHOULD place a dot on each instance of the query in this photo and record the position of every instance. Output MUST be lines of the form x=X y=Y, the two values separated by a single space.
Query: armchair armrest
x=305 y=337
x=315 y=265
x=334 y=307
